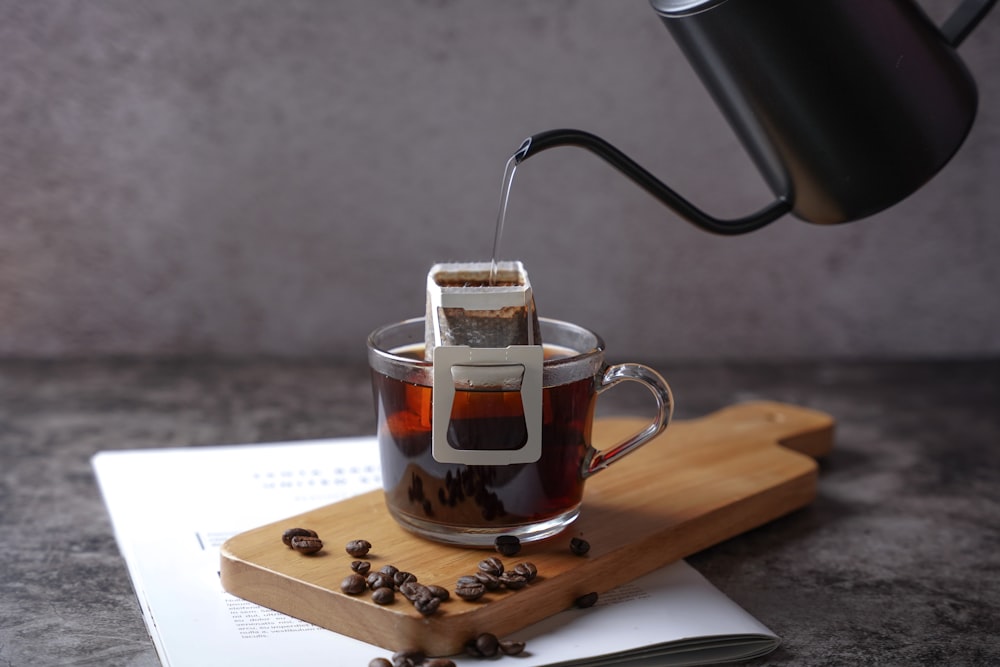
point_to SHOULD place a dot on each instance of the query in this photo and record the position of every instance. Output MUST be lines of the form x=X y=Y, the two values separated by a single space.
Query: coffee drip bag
x=468 y=305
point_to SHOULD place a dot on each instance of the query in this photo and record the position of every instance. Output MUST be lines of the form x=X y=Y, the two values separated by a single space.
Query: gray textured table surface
x=896 y=563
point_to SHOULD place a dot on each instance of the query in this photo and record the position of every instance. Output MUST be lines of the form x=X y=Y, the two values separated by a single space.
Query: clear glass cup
x=473 y=504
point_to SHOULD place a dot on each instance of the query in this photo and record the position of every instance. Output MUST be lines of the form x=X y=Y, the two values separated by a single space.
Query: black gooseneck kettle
x=845 y=106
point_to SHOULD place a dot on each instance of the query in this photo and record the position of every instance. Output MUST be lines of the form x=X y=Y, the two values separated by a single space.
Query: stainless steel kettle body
x=845 y=106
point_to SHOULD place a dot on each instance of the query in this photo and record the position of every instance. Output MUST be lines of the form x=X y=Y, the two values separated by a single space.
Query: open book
x=173 y=508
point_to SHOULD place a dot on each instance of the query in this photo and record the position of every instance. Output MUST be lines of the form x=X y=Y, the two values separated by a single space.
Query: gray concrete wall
x=251 y=177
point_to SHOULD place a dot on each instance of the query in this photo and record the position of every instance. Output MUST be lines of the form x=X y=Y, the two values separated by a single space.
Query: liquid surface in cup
x=483 y=496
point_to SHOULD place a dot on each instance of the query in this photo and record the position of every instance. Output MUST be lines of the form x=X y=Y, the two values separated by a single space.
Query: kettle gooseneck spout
x=685 y=209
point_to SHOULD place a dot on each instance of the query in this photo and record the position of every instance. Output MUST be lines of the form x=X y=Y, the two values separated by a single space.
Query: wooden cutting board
x=701 y=482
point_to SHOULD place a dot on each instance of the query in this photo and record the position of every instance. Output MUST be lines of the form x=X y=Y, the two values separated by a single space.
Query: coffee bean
x=287 y=536
x=427 y=605
x=415 y=656
x=379 y=662
x=358 y=548
x=469 y=588
x=412 y=590
x=401 y=578
x=510 y=647
x=362 y=567
x=507 y=545
x=487 y=644
x=383 y=595
x=585 y=601
x=491 y=565
x=439 y=592
x=526 y=570
x=490 y=581
x=513 y=581
x=380 y=580
x=306 y=545
x=391 y=570
x=353 y=584
x=579 y=546
x=440 y=662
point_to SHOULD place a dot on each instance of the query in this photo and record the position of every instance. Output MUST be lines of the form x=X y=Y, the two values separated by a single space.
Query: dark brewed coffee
x=464 y=495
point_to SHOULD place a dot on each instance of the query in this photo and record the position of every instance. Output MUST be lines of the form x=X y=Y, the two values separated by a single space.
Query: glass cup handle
x=600 y=459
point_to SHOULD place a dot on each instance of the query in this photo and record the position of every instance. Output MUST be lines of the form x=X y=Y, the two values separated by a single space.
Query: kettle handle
x=964 y=20
x=568 y=137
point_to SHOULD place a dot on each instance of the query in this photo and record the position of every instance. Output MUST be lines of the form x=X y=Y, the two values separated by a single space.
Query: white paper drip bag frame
x=510 y=360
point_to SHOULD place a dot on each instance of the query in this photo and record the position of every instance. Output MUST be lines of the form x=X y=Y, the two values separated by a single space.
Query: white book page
x=173 y=508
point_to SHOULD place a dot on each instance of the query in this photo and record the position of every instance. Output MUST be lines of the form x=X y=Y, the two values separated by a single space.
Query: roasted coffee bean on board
x=491 y=565
x=306 y=545
x=585 y=601
x=287 y=536
x=490 y=581
x=469 y=588
x=354 y=584
x=383 y=595
x=427 y=605
x=440 y=592
x=402 y=577
x=412 y=590
x=513 y=581
x=362 y=567
x=358 y=548
x=507 y=545
x=526 y=570
x=579 y=546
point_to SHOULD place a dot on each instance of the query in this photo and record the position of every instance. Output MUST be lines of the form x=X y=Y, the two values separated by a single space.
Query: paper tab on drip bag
x=486 y=347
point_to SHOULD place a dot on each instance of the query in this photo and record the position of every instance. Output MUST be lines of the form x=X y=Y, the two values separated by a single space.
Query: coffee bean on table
x=383 y=595
x=391 y=570
x=507 y=545
x=415 y=656
x=487 y=644
x=585 y=601
x=358 y=548
x=306 y=545
x=440 y=662
x=353 y=584
x=362 y=567
x=579 y=546
x=287 y=536
x=511 y=647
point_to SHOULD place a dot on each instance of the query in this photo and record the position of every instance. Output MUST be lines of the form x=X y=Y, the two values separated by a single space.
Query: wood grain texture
x=701 y=482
